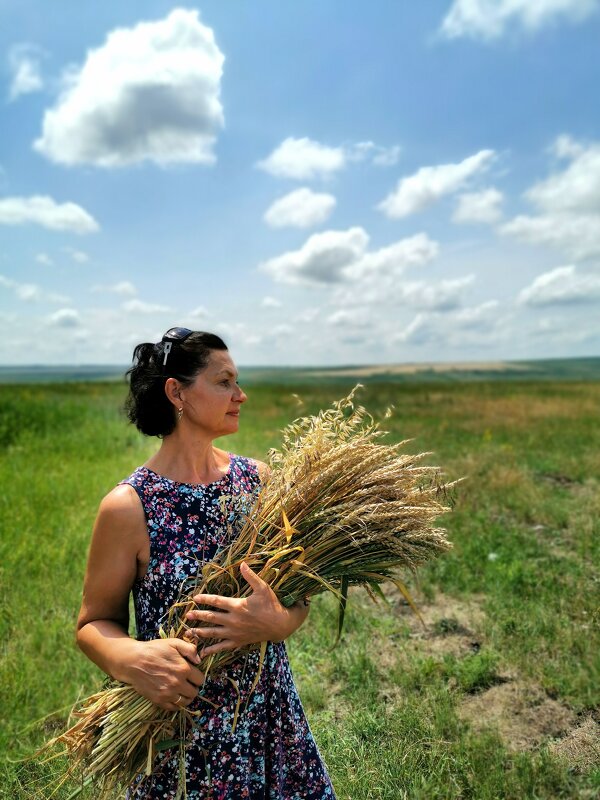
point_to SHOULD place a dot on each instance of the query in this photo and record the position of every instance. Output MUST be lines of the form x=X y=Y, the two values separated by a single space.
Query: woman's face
x=212 y=402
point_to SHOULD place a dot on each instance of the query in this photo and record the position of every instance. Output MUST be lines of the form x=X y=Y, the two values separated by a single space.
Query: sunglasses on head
x=171 y=336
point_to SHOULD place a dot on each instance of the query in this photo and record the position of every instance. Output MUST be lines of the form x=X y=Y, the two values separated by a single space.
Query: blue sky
x=321 y=182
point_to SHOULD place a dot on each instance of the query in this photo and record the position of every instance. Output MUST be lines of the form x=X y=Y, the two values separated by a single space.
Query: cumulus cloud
x=449 y=329
x=305 y=159
x=322 y=259
x=350 y=318
x=561 y=286
x=441 y=296
x=198 y=314
x=140 y=307
x=568 y=204
x=478 y=317
x=270 y=302
x=44 y=258
x=416 y=192
x=124 y=288
x=336 y=257
x=391 y=261
x=31 y=292
x=65 y=318
x=301 y=208
x=24 y=64
x=483 y=206
x=485 y=19
x=44 y=211
x=77 y=255
x=377 y=155
x=150 y=92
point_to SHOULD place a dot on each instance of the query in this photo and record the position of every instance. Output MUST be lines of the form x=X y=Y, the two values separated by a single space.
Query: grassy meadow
x=497 y=697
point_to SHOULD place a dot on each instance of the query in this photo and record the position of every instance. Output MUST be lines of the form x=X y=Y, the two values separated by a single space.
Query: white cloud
x=31 y=292
x=337 y=257
x=322 y=259
x=483 y=206
x=490 y=19
x=270 y=302
x=307 y=315
x=561 y=286
x=564 y=146
x=478 y=317
x=150 y=92
x=426 y=186
x=420 y=330
x=301 y=208
x=391 y=261
x=77 y=255
x=199 y=313
x=568 y=203
x=125 y=288
x=24 y=65
x=454 y=328
x=44 y=258
x=45 y=211
x=140 y=307
x=65 y=318
x=379 y=156
x=303 y=159
x=445 y=295
x=350 y=318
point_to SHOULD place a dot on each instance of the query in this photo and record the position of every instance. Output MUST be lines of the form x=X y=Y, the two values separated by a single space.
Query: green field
x=497 y=698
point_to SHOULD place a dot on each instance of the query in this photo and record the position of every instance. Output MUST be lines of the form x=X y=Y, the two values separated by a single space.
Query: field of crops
x=497 y=698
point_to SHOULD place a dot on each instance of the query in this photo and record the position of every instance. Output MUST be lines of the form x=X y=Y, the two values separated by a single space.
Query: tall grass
x=384 y=714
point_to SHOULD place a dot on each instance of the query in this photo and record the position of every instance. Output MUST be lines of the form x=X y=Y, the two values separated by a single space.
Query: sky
x=322 y=182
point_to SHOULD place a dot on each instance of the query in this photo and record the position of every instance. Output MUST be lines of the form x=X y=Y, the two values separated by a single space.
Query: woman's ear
x=173 y=391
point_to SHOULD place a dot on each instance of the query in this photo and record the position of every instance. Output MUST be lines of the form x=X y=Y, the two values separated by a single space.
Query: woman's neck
x=185 y=461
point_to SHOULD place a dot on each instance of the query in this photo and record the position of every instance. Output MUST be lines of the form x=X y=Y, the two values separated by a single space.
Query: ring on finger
x=179 y=699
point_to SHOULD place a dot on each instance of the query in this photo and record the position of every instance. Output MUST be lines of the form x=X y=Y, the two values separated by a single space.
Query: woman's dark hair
x=147 y=405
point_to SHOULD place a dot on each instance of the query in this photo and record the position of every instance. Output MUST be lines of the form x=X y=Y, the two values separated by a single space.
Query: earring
x=179 y=413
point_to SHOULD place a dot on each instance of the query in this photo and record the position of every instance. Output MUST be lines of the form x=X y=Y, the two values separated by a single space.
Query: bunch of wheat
x=339 y=509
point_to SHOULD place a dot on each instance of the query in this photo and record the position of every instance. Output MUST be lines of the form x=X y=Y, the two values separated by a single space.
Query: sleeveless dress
x=271 y=754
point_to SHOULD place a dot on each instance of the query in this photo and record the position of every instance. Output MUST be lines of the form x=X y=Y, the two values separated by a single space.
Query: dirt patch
x=452 y=626
x=580 y=748
x=522 y=713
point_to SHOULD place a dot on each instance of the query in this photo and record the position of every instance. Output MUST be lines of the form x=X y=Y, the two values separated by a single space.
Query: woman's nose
x=242 y=396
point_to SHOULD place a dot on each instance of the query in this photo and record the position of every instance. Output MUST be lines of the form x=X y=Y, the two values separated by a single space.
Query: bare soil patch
x=521 y=712
x=452 y=626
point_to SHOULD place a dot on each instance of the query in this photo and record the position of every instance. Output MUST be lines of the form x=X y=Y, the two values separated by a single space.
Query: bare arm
x=160 y=670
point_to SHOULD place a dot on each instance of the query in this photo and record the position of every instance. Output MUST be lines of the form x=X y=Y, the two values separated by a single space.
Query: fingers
x=225 y=644
x=216 y=600
x=255 y=581
x=186 y=649
x=206 y=633
x=196 y=678
x=216 y=617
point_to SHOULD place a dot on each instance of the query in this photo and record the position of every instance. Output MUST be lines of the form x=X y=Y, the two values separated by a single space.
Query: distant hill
x=543 y=369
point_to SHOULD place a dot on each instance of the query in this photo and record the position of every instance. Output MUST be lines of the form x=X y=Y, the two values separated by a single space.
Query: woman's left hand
x=239 y=621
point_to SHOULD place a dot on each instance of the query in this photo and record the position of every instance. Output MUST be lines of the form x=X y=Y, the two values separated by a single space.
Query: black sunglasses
x=171 y=336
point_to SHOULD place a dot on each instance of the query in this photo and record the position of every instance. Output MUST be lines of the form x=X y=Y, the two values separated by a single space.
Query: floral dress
x=271 y=753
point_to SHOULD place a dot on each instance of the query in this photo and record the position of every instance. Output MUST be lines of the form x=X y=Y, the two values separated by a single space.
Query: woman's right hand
x=163 y=671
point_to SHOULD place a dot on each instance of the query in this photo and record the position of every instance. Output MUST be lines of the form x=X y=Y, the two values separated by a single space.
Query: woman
x=155 y=530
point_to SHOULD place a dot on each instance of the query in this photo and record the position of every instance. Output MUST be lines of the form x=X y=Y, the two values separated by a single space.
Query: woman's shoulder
x=121 y=508
x=261 y=469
